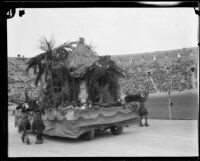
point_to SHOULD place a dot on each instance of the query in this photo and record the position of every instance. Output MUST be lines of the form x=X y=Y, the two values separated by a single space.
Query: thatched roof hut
x=81 y=57
x=82 y=75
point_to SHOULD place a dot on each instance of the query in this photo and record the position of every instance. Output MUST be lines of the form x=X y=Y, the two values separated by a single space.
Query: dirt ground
x=162 y=138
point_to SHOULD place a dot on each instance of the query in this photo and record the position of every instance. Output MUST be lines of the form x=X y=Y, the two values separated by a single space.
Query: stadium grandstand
x=175 y=68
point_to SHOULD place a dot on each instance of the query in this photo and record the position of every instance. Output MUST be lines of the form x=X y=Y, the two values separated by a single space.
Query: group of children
x=24 y=124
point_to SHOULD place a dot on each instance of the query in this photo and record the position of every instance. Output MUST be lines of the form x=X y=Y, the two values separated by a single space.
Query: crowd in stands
x=158 y=75
x=177 y=75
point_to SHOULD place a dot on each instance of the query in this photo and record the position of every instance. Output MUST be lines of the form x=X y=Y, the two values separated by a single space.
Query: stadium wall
x=185 y=106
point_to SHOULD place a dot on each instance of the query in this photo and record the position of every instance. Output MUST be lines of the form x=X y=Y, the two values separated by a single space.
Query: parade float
x=79 y=91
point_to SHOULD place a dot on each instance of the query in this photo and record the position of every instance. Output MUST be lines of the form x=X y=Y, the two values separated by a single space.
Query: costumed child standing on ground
x=143 y=113
x=38 y=124
x=24 y=123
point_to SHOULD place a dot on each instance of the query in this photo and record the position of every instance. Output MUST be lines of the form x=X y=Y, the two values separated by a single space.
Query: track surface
x=162 y=138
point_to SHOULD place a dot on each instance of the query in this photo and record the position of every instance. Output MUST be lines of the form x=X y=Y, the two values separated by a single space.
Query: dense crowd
x=157 y=75
x=177 y=75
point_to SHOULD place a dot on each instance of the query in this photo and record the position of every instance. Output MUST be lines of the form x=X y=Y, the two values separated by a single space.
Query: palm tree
x=42 y=63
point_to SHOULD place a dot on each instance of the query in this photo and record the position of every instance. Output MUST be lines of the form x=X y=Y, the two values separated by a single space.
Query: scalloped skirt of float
x=63 y=124
x=75 y=123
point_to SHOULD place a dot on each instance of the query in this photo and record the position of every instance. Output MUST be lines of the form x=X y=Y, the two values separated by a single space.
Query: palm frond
x=66 y=45
x=35 y=61
x=62 y=51
x=47 y=45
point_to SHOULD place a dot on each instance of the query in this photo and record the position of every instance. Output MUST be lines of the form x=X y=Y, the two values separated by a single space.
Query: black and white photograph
x=103 y=81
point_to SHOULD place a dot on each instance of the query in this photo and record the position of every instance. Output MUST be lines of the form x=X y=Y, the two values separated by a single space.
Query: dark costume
x=143 y=112
x=38 y=126
x=24 y=125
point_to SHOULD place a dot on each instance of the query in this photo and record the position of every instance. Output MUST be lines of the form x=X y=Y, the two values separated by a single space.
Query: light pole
x=169 y=96
x=193 y=77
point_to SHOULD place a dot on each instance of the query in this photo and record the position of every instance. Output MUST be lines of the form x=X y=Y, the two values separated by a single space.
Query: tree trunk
x=51 y=84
